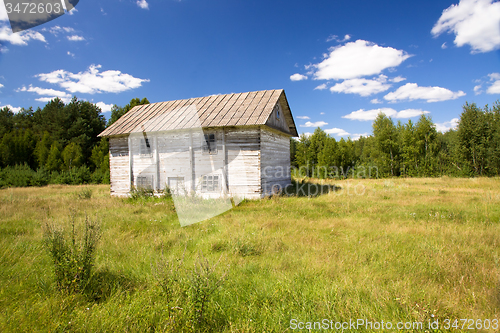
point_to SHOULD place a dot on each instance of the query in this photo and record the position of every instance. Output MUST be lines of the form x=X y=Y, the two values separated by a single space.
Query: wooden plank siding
x=275 y=161
x=118 y=166
x=253 y=147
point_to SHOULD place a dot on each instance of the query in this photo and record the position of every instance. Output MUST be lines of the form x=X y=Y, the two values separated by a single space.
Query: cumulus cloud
x=104 y=107
x=363 y=87
x=321 y=87
x=143 y=4
x=298 y=77
x=356 y=136
x=494 y=88
x=411 y=91
x=92 y=81
x=358 y=59
x=474 y=22
x=368 y=115
x=303 y=117
x=336 y=131
x=376 y=101
x=75 y=38
x=49 y=94
x=12 y=108
x=447 y=125
x=20 y=38
x=315 y=124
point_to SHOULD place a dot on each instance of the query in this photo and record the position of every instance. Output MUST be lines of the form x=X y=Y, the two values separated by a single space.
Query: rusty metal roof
x=244 y=109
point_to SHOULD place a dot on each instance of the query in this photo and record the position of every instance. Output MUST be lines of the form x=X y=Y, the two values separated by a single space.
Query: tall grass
x=394 y=250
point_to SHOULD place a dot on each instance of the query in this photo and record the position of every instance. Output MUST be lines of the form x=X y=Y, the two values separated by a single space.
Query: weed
x=84 y=193
x=204 y=281
x=73 y=260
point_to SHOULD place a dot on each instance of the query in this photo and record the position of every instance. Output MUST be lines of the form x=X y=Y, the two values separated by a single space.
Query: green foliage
x=408 y=150
x=73 y=259
x=54 y=160
x=72 y=156
x=84 y=193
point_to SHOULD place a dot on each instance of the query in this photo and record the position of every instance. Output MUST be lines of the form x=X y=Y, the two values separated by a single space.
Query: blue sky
x=340 y=62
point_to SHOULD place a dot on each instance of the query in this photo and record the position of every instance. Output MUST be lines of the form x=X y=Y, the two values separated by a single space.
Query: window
x=210 y=183
x=209 y=143
x=145 y=147
x=144 y=182
x=277 y=110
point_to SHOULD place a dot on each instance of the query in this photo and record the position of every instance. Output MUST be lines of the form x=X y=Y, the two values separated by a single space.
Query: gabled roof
x=244 y=109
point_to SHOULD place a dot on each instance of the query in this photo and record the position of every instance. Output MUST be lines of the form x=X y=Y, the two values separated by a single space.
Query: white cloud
x=359 y=135
x=447 y=125
x=411 y=91
x=398 y=79
x=363 y=87
x=143 y=4
x=1 y=85
x=71 y=54
x=321 y=113
x=48 y=99
x=75 y=38
x=49 y=93
x=315 y=124
x=367 y=115
x=376 y=101
x=357 y=59
x=298 y=77
x=303 y=117
x=12 y=108
x=495 y=86
x=21 y=38
x=443 y=46
x=104 y=107
x=336 y=131
x=321 y=87
x=43 y=91
x=91 y=81
x=410 y=113
x=55 y=30
x=474 y=22
x=336 y=38
x=477 y=89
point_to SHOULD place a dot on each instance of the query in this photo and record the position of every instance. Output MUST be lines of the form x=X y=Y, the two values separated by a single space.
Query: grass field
x=397 y=250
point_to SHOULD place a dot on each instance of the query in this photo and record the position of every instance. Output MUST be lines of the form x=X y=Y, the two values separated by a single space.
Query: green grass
x=392 y=250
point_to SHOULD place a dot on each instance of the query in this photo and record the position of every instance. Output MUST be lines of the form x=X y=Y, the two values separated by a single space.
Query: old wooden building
x=235 y=145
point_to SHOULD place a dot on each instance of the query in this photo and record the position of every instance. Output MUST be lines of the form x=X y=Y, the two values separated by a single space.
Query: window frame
x=145 y=147
x=209 y=146
x=210 y=183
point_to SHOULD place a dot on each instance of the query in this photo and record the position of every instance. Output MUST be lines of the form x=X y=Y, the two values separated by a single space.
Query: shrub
x=84 y=193
x=73 y=260
x=203 y=282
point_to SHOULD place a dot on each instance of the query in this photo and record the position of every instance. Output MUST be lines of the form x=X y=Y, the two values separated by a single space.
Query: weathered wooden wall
x=275 y=160
x=119 y=166
x=243 y=156
x=279 y=123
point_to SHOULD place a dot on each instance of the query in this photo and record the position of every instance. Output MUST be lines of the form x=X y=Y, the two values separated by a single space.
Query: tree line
x=406 y=149
x=56 y=144
x=59 y=144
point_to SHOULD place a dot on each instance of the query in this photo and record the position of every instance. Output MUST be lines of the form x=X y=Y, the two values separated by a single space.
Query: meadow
x=397 y=250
